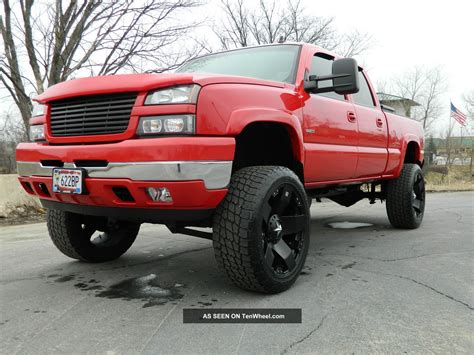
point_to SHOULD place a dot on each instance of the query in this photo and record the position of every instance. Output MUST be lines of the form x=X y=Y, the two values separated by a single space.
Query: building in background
x=401 y=105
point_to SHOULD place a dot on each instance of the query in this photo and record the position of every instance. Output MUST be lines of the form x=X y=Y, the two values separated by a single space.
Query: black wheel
x=261 y=229
x=406 y=198
x=91 y=239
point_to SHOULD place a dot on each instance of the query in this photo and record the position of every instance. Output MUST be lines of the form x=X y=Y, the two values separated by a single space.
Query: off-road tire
x=400 y=199
x=237 y=228
x=67 y=232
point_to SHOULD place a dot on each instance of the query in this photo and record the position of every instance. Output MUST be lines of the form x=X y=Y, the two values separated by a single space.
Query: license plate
x=67 y=181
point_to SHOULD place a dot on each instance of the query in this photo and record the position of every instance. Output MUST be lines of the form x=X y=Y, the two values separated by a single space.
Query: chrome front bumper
x=215 y=174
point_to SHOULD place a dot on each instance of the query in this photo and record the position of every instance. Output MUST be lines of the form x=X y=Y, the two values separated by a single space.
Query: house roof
x=389 y=98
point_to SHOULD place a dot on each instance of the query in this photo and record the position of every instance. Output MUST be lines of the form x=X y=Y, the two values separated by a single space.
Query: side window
x=323 y=66
x=364 y=96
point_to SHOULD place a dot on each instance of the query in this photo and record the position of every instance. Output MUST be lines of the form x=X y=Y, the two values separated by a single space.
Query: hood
x=139 y=82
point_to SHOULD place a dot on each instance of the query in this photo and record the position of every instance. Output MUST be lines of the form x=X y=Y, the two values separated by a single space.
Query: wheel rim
x=283 y=228
x=418 y=195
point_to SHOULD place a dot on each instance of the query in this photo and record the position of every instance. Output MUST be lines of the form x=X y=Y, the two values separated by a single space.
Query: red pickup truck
x=240 y=141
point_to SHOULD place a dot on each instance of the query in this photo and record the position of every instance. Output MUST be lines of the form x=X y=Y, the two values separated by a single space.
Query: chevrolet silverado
x=240 y=141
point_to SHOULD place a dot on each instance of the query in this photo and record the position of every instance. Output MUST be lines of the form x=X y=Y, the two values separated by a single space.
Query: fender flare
x=240 y=119
x=407 y=139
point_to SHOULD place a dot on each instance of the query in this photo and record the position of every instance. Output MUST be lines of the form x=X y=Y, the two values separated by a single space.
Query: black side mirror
x=344 y=78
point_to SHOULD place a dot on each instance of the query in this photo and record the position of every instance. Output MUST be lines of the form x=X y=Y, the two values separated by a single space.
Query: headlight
x=38 y=109
x=186 y=94
x=37 y=133
x=171 y=124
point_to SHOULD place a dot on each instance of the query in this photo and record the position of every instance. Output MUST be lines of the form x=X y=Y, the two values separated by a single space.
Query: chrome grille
x=91 y=115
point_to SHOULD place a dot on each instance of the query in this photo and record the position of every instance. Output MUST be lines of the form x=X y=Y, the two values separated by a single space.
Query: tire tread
x=58 y=231
x=232 y=221
x=65 y=233
x=399 y=199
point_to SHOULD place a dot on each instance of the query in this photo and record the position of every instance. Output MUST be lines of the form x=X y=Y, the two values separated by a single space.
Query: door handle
x=379 y=122
x=351 y=116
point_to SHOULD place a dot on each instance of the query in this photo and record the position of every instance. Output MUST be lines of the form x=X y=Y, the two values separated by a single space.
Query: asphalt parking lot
x=363 y=290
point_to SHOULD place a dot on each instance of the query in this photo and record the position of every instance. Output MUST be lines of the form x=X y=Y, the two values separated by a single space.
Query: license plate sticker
x=67 y=181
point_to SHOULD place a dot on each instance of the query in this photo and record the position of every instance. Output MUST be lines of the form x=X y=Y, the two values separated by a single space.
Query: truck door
x=372 y=127
x=329 y=130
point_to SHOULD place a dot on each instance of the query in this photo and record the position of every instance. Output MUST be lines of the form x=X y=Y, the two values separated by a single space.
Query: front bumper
x=196 y=171
x=214 y=174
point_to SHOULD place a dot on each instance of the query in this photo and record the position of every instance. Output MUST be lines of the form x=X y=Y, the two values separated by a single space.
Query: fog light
x=161 y=194
x=165 y=195
x=153 y=193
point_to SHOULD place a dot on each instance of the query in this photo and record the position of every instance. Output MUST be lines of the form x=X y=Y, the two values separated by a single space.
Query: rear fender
x=408 y=138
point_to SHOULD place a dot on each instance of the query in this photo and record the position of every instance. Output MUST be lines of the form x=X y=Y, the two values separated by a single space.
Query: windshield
x=277 y=63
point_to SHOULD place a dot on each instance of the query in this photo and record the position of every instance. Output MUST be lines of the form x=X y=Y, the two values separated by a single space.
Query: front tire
x=78 y=237
x=261 y=229
x=406 y=198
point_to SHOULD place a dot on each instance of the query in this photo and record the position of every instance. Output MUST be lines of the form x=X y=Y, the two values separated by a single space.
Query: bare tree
x=48 y=43
x=424 y=86
x=235 y=30
x=448 y=141
x=352 y=44
x=300 y=27
x=266 y=24
x=269 y=22
x=469 y=102
x=11 y=133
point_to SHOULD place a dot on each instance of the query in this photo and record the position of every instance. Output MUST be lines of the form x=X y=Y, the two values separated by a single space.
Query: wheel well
x=266 y=143
x=412 y=154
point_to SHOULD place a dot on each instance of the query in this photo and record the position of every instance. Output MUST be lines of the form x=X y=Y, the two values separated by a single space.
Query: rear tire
x=261 y=229
x=406 y=198
x=77 y=237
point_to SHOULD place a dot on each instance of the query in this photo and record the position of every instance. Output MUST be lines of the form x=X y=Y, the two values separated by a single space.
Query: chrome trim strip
x=215 y=174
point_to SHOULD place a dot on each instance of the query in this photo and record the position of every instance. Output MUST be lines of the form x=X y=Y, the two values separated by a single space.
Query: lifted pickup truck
x=240 y=141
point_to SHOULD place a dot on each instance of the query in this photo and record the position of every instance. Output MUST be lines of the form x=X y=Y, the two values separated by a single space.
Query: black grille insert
x=92 y=115
x=122 y=193
x=52 y=163
x=91 y=163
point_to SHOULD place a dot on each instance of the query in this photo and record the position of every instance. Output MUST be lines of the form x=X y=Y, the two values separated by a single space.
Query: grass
x=23 y=215
x=458 y=179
